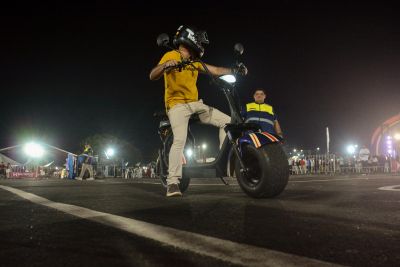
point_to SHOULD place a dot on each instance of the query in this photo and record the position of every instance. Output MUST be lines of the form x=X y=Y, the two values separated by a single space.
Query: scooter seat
x=244 y=126
x=194 y=118
x=161 y=114
x=166 y=123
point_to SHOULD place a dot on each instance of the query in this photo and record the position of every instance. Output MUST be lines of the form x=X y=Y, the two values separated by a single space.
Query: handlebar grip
x=179 y=66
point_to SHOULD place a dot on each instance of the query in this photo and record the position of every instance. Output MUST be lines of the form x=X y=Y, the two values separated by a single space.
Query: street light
x=109 y=152
x=317 y=148
x=204 y=146
x=351 y=149
x=295 y=150
x=34 y=150
x=189 y=152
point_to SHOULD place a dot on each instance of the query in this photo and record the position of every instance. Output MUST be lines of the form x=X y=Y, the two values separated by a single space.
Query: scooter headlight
x=229 y=78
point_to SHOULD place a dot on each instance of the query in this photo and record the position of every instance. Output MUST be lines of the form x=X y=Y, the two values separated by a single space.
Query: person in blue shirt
x=87 y=157
x=262 y=113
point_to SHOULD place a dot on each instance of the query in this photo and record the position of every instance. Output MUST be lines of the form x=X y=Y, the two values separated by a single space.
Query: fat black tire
x=268 y=171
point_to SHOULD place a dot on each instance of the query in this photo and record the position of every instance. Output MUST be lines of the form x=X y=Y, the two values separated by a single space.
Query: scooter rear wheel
x=168 y=143
x=267 y=171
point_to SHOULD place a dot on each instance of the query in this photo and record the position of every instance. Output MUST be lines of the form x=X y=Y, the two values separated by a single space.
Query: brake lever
x=181 y=65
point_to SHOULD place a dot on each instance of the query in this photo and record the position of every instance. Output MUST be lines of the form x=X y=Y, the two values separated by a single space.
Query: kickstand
x=223 y=180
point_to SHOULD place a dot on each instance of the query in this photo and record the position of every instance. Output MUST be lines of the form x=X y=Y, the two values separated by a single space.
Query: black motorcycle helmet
x=191 y=38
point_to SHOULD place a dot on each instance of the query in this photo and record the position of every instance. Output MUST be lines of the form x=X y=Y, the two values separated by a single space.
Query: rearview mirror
x=163 y=39
x=238 y=48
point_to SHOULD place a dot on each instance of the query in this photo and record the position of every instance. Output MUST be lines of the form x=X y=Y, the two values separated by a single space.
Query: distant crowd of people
x=140 y=172
x=315 y=164
x=5 y=170
x=363 y=162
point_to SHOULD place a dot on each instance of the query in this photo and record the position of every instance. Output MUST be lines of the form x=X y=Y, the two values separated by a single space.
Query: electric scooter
x=260 y=163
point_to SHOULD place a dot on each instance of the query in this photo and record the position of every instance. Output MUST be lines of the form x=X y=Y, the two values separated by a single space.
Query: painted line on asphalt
x=225 y=250
x=220 y=184
x=290 y=181
x=390 y=188
x=338 y=179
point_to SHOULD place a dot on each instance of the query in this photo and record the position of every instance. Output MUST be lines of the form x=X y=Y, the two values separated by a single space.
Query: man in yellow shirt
x=181 y=96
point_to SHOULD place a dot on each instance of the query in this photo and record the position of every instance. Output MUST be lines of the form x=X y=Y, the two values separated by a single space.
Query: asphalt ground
x=316 y=221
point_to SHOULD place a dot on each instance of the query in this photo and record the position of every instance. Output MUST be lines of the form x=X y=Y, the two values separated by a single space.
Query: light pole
x=204 y=147
x=110 y=152
x=396 y=143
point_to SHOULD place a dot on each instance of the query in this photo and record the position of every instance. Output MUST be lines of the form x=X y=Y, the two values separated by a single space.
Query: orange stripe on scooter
x=252 y=139
x=256 y=141
x=273 y=138
x=268 y=137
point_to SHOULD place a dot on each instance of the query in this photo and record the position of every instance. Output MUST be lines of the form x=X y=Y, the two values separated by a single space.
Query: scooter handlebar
x=180 y=65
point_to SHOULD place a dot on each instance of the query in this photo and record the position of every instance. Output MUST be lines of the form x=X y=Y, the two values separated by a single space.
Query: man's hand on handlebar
x=170 y=64
x=158 y=71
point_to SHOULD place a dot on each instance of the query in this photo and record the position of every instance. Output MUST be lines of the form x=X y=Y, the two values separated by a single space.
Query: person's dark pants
x=365 y=166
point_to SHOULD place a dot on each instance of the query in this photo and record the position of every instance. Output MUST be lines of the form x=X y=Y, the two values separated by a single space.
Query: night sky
x=72 y=70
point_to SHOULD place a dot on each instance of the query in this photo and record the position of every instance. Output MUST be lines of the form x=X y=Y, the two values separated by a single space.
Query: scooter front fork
x=243 y=168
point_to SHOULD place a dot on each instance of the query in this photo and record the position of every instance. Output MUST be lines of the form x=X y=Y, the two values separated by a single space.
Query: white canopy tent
x=7 y=160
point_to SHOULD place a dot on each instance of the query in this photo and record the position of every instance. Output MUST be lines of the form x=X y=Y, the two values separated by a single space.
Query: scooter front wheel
x=267 y=171
x=162 y=172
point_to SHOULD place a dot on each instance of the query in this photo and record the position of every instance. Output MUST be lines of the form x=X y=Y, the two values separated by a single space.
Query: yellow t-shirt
x=180 y=86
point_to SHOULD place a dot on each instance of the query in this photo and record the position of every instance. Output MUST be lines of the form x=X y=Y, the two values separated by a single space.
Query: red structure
x=388 y=128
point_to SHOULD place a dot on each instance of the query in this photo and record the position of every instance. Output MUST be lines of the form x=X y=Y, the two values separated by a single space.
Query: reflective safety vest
x=263 y=114
x=88 y=151
x=86 y=156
